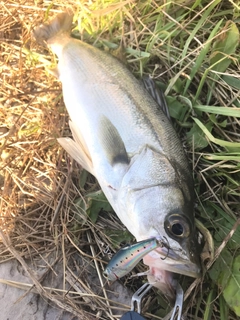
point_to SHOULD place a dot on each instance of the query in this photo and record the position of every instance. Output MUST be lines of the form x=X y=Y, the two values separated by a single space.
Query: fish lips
x=167 y=259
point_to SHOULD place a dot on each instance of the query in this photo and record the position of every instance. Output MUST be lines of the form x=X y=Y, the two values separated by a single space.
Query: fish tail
x=60 y=24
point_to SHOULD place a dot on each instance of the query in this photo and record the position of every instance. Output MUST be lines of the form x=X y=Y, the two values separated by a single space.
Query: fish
x=128 y=257
x=122 y=137
x=157 y=95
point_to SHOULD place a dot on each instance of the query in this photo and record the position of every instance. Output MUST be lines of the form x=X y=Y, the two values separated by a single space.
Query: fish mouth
x=185 y=268
x=163 y=262
x=170 y=261
x=177 y=263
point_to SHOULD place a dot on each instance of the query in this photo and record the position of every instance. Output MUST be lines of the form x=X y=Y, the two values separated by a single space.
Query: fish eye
x=177 y=226
x=105 y=274
x=177 y=229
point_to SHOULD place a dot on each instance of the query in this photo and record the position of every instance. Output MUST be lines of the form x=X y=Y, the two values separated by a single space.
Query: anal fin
x=77 y=148
x=54 y=72
x=77 y=136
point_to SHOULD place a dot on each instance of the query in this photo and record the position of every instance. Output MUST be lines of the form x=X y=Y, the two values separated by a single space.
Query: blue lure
x=128 y=257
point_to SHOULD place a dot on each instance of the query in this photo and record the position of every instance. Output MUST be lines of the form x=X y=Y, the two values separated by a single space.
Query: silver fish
x=128 y=257
x=124 y=139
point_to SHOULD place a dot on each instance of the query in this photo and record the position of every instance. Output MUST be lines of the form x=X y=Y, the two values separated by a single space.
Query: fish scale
x=125 y=140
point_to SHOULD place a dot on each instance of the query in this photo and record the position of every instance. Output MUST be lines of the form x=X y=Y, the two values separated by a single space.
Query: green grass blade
x=223 y=50
x=200 y=59
x=227 y=157
x=224 y=310
x=205 y=15
x=230 y=112
x=209 y=306
x=232 y=81
x=219 y=142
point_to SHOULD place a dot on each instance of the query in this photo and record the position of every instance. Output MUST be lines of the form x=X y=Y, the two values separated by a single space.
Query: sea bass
x=123 y=138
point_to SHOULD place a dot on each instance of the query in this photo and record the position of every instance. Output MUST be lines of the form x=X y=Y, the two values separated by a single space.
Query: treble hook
x=166 y=246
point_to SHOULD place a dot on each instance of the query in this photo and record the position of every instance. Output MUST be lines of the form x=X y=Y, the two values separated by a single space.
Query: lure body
x=128 y=257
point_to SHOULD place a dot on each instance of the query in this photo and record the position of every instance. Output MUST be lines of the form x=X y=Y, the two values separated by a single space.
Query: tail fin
x=60 y=24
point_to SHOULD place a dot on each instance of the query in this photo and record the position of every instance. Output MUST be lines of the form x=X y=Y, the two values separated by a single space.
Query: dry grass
x=39 y=182
x=40 y=185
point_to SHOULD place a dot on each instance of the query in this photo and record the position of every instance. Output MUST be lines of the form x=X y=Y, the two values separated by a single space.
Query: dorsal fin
x=111 y=142
x=157 y=95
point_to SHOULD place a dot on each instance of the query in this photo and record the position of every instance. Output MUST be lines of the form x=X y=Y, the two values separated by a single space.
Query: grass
x=49 y=205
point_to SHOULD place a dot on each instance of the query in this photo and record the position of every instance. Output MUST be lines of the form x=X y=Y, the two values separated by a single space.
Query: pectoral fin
x=111 y=142
x=77 y=148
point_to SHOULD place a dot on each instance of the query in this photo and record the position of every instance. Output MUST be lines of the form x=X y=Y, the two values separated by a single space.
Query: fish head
x=185 y=246
x=179 y=254
x=164 y=212
x=110 y=275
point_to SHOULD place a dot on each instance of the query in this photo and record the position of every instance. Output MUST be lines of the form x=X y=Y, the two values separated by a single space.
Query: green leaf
x=231 y=292
x=225 y=45
x=96 y=201
x=185 y=101
x=119 y=236
x=177 y=84
x=83 y=178
x=223 y=225
x=93 y=204
x=214 y=120
x=220 y=272
x=197 y=137
x=177 y=109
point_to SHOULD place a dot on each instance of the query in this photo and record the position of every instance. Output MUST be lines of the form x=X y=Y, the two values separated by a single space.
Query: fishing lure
x=128 y=257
